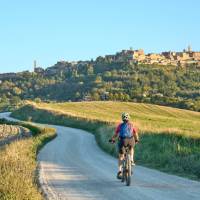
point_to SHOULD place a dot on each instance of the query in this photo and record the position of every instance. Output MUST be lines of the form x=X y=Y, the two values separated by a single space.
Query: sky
x=52 y=30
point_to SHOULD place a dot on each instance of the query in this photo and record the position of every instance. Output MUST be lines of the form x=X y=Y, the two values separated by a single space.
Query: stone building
x=195 y=55
x=154 y=56
x=130 y=55
x=182 y=56
x=38 y=70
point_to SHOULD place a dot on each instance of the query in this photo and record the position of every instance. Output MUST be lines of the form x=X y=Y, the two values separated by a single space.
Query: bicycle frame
x=126 y=165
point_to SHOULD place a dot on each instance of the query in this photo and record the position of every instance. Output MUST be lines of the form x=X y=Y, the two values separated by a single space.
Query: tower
x=34 y=64
x=189 y=48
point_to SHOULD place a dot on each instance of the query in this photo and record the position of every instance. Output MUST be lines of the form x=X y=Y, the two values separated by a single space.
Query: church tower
x=34 y=65
x=189 y=48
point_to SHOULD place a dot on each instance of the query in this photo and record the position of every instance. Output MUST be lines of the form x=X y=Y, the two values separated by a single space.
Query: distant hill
x=104 y=79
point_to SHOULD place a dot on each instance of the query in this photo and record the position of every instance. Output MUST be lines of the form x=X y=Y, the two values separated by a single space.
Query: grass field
x=170 y=138
x=145 y=116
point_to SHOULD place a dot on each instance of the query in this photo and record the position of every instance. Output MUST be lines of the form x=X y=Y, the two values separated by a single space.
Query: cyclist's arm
x=116 y=132
x=135 y=134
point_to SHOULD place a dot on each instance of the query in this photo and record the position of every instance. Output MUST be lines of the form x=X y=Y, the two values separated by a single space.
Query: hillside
x=105 y=80
x=146 y=116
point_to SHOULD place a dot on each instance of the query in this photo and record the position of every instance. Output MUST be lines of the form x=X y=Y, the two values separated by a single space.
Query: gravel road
x=73 y=167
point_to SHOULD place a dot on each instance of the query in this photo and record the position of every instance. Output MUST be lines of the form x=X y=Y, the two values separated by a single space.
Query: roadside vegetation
x=8 y=130
x=169 y=137
x=18 y=174
x=4 y=107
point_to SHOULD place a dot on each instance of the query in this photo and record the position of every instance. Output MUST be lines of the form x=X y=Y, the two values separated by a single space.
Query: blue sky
x=49 y=31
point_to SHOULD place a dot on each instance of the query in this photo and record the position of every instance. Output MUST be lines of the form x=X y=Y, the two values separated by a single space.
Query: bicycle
x=126 y=165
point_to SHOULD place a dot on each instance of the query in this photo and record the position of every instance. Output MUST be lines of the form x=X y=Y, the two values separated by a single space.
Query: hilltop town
x=185 y=58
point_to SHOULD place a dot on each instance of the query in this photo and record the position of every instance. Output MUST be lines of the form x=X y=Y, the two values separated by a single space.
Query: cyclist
x=127 y=135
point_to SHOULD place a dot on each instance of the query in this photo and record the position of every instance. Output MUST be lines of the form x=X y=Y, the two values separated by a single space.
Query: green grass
x=170 y=138
x=18 y=177
x=147 y=117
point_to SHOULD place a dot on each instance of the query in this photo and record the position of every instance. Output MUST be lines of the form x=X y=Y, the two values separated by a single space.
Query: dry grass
x=18 y=166
x=8 y=130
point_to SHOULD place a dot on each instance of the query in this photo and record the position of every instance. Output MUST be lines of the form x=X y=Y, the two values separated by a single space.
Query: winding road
x=73 y=167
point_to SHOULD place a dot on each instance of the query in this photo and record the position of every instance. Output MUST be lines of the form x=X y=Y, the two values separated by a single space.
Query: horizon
x=52 y=31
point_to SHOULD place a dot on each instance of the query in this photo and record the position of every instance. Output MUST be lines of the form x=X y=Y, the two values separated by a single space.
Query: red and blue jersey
x=125 y=130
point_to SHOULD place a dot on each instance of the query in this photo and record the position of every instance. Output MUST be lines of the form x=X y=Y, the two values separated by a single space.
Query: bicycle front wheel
x=123 y=171
x=128 y=171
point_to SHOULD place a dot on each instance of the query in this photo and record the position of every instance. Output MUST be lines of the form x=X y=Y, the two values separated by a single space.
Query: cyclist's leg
x=121 y=154
x=132 y=154
x=131 y=143
x=120 y=157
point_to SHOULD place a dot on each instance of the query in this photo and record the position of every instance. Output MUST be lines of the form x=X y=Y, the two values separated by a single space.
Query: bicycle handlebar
x=111 y=141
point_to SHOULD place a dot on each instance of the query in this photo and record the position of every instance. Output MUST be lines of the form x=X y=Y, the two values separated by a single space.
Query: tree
x=15 y=100
x=90 y=70
x=37 y=100
x=17 y=91
x=107 y=74
x=77 y=95
x=4 y=99
x=95 y=96
x=98 y=79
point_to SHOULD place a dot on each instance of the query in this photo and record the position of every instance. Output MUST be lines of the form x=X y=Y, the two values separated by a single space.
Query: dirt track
x=72 y=166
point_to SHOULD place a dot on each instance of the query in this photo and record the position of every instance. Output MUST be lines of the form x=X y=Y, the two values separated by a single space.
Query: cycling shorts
x=125 y=142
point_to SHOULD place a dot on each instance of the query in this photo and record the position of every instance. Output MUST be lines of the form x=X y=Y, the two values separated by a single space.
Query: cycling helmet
x=125 y=116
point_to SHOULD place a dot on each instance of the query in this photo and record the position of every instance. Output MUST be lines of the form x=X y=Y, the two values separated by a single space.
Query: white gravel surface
x=73 y=167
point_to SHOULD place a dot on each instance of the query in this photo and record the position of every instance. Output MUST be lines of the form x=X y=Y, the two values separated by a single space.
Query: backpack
x=126 y=130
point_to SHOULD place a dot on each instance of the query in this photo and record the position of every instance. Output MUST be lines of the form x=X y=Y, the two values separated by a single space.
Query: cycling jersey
x=125 y=130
